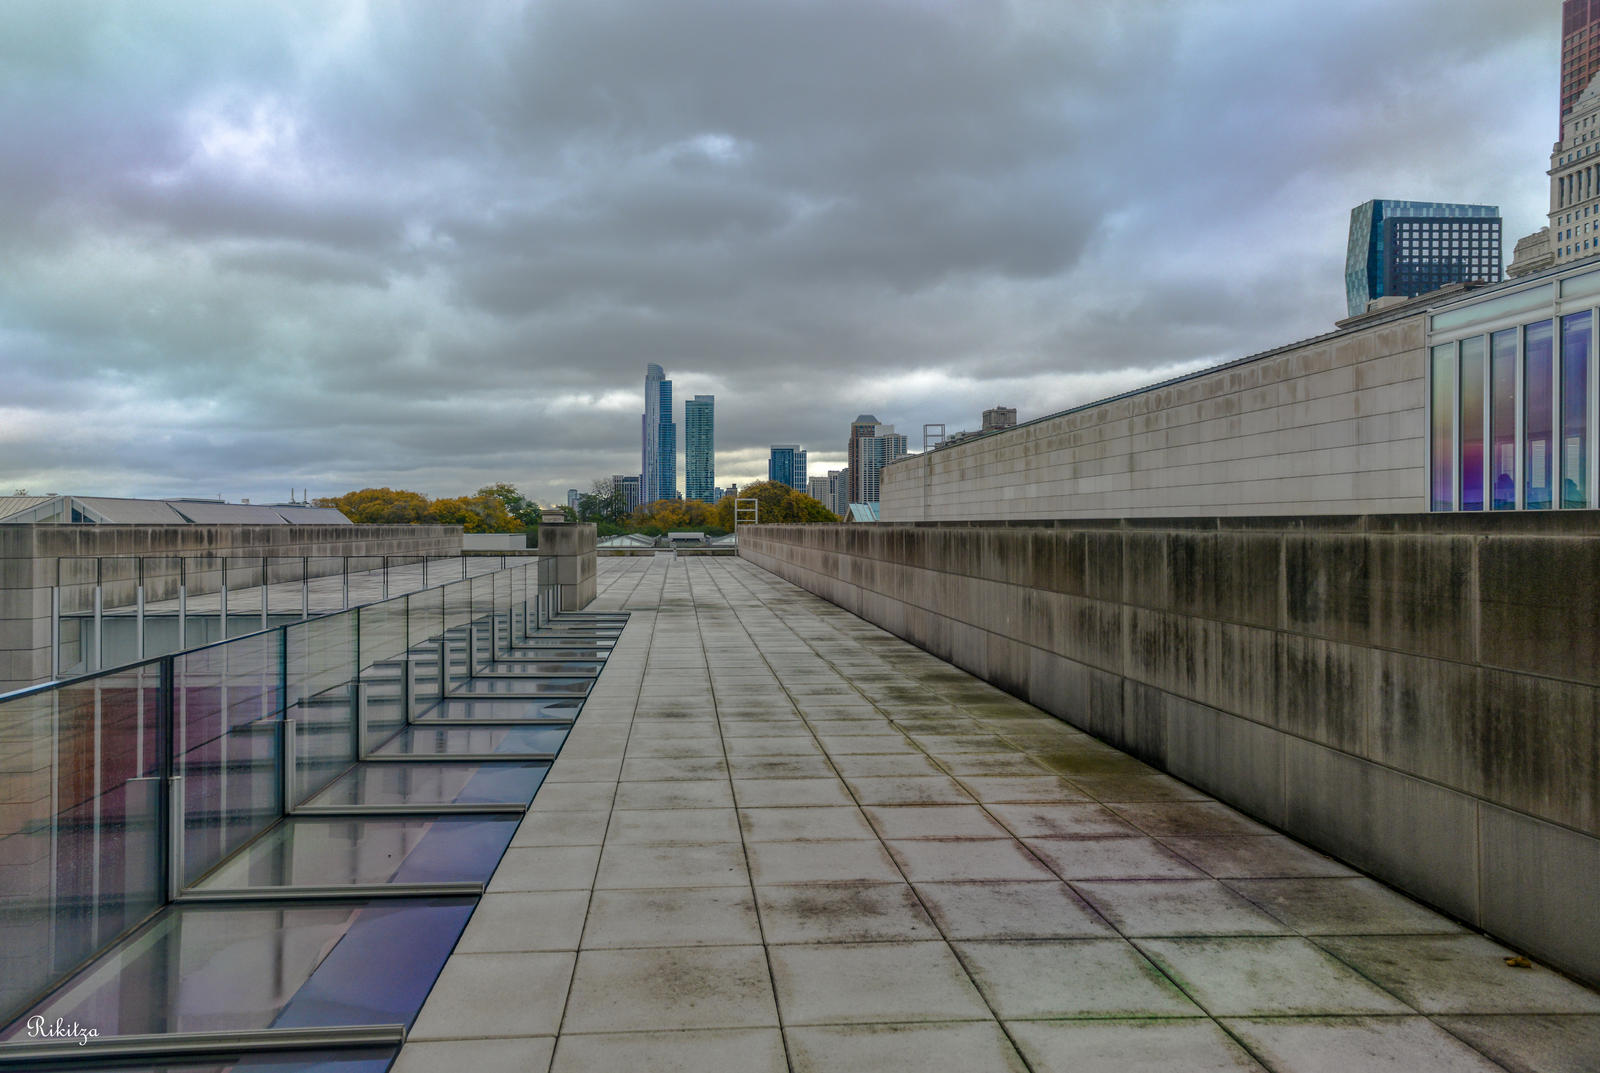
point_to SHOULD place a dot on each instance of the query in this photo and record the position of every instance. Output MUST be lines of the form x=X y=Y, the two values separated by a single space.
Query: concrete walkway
x=781 y=839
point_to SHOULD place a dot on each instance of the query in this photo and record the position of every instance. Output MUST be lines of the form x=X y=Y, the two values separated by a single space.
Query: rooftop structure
x=102 y=510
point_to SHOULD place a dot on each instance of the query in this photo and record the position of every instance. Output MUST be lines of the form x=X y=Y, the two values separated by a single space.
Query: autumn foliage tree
x=778 y=503
x=485 y=512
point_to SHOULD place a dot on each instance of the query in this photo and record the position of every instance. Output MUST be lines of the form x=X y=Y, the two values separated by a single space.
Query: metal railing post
x=55 y=631
x=264 y=569
x=223 y=612
x=289 y=745
x=346 y=582
x=363 y=719
x=174 y=837
x=138 y=623
x=305 y=587
x=99 y=635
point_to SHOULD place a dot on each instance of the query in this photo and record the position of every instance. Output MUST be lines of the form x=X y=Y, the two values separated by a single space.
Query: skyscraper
x=864 y=425
x=787 y=465
x=876 y=451
x=699 y=448
x=658 y=468
x=1580 y=49
x=1407 y=248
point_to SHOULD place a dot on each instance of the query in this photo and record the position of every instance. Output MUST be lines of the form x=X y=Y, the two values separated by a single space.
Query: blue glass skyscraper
x=1407 y=248
x=787 y=465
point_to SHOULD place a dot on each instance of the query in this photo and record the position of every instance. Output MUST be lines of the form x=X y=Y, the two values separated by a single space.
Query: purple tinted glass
x=1442 y=442
x=1472 y=403
x=1576 y=333
x=1538 y=417
x=1503 y=420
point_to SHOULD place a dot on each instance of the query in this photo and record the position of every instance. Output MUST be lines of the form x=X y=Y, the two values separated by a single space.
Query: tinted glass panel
x=221 y=968
x=522 y=687
x=435 y=784
x=1538 y=417
x=1503 y=420
x=458 y=741
x=315 y=852
x=1442 y=442
x=1576 y=332
x=1473 y=377
x=353 y=1060
x=489 y=709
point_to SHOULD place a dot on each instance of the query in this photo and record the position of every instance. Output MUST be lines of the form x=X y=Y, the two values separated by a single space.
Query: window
x=1576 y=331
x=1538 y=415
x=1442 y=438
x=1503 y=420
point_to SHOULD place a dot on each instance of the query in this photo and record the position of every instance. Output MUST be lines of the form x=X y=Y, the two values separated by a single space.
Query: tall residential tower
x=658 y=469
x=1406 y=248
x=699 y=448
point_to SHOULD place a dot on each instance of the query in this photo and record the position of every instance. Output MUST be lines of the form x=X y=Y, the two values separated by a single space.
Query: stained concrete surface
x=780 y=838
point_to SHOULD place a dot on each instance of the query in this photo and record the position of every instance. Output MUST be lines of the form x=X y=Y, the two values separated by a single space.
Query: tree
x=604 y=502
x=777 y=503
x=517 y=505
x=475 y=514
x=379 y=506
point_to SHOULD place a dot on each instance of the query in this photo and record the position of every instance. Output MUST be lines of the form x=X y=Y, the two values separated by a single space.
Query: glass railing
x=113 y=610
x=162 y=820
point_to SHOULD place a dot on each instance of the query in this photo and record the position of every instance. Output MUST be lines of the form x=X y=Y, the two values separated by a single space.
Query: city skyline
x=259 y=248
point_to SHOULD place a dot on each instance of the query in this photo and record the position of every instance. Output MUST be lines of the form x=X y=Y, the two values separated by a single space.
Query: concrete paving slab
x=1533 y=1043
x=963 y=1047
x=479 y=996
x=672 y=916
x=719 y=864
x=693 y=1051
x=934 y=821
x=777 y=863
x=670 y=988
x=1062 y=820
x=544 y=920
x=528 y=1054
x=1111 y=858
x=1461 y=974
x=1342 y=906
x=843 y=913
x=1178 y=907
x=1342 y=1044
x=1052 y=980
x=691 y=794
x=1250 y=976
x=929 y=860
x=1011 y=910
x=822 y=823
x=1193 y=1046
x=864 y=983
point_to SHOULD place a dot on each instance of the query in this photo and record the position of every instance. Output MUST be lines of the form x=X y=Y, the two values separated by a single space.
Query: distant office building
x=718 y=494
x=839 y=487
x=658 y=471
x=862 y=427
x=1580 y=51
x=999 y=417
x=820 y=489
x=699 y=448
x=628 y=485
x=572 y=498
x=787 y=465
x=1406 y=248
x=875 y=452
x=1575 y=180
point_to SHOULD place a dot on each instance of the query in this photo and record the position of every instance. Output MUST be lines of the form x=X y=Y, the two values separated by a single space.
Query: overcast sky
x=248 y=247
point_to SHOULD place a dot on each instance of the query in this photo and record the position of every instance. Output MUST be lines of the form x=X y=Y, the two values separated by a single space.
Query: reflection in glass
x=542 y=666
x=1576 y=331
x=1503 y=420
x=1442 y=441
x=204 y=968
x=445 y=742
x=522 y=687
x=1538 y=417
x=309 y=851
x=1472 y=402
x=474 y=783
x=488 y=708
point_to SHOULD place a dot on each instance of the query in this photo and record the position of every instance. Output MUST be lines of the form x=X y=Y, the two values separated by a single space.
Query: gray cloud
x=249 y=247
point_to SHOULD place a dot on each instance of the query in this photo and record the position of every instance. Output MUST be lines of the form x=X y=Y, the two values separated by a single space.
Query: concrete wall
x=29 y=556
x=573 y=546
x=1332 y=426
x=494 y=541
x=1418 y=695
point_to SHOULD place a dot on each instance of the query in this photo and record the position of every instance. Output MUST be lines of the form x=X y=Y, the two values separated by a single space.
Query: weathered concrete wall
x=1416 y=694
x=29 y=557
x=1332 y=426
x=573 y=546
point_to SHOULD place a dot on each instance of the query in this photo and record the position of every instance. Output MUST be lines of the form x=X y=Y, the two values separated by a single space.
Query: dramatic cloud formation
x=249 y=247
